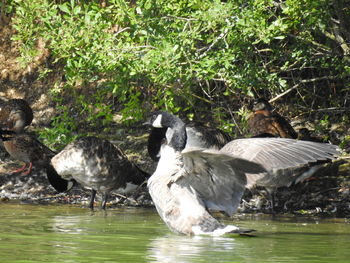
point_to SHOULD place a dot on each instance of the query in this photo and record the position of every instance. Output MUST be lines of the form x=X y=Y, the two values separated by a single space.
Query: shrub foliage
x=201 y=58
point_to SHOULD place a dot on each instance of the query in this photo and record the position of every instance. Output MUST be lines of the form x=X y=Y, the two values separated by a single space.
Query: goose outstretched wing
x=217 y=178
x=281 y=153
x=285 y=159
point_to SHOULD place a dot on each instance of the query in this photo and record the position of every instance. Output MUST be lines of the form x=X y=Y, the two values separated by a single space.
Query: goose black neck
x=155 y=139
x=56 y=181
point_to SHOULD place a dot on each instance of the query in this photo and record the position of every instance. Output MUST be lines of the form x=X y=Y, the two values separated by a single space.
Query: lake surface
x=63 y=233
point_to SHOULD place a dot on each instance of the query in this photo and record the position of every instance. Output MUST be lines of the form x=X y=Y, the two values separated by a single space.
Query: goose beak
x=147 y=123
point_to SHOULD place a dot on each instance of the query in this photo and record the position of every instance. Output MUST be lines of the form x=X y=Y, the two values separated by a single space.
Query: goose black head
x=163 y=119
x=261 y=104
x=176 y=132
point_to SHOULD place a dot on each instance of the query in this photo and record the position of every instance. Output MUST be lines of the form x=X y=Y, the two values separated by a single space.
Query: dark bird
x=197 y=136
x=29 y=150
x=15 y=114
x=265 y=122
x=98 y=164
x=187 y=183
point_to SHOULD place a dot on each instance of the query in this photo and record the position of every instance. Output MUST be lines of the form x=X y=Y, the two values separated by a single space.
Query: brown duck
x=29 y=150
x=16 y=114
x=265 y=122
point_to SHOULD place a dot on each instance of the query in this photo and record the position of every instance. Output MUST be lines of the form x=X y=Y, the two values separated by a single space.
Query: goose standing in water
x=98 y=164
x=188 y=183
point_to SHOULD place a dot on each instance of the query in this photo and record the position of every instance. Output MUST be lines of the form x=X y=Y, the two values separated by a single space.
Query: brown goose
x=27 y=149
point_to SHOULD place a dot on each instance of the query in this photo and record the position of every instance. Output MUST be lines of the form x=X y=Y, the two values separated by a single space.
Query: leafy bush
x=203 y=59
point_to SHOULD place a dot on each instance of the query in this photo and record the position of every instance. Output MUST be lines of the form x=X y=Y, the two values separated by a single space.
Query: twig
x=298 y=84
x=121 y=30
x=221 y=36
x=181 y=18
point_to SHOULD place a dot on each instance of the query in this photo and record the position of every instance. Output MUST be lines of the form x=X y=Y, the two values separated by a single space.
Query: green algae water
x=51 y=233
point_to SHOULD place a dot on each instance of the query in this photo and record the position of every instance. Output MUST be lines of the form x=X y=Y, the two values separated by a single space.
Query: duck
x=28 y=149
x=264 y=121
x=98 y=164
x=16 y=114
x=197 y=136
x=190 y=182
x=187 y=183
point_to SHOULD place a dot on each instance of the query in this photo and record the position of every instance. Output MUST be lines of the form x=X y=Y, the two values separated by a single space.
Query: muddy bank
x=326 y=194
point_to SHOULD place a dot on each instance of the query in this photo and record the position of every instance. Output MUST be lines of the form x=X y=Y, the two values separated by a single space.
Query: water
x=36 y=233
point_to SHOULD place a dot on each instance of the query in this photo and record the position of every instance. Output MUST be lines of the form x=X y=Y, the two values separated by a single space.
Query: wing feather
x=285 y=159
x=218 y=178
x=281 y=153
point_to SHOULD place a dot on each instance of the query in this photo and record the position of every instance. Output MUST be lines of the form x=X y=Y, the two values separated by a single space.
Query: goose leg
x=272 y=203
x=104 y=201
x=91 y=204
x=271 y=198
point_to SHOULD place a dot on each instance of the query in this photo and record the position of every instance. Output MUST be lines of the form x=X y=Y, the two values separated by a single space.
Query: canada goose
x=15 y=114
x=98 y=164
x=29 y=150
x=197 y=136
x=188 y=183
x=265 y=122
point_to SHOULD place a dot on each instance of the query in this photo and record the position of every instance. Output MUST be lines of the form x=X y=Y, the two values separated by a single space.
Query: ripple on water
x=60 y=233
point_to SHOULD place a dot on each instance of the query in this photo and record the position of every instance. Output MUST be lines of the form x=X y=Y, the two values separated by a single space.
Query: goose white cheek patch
x=158 y=122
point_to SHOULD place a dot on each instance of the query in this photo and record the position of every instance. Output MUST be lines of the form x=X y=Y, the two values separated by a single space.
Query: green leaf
x=64 y=8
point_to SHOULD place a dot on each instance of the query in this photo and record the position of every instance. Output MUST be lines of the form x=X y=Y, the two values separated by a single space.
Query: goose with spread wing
x=186 y=184
x=288 y=161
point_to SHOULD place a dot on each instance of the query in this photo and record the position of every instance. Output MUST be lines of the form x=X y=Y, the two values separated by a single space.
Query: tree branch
x=298 y=84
